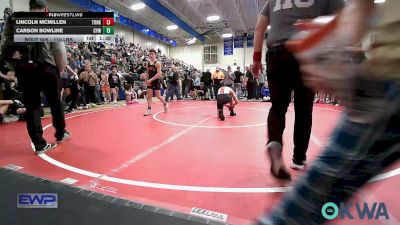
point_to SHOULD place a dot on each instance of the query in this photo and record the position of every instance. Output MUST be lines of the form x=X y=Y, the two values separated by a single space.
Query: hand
x=148 y=82
x=324 y=75
x=313 y=78
x=21 y=111
x=16 y=55
x=256 y=69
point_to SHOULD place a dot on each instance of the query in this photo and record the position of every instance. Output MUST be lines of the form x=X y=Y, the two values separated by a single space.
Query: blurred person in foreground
x=367 y=138
x=39 y=68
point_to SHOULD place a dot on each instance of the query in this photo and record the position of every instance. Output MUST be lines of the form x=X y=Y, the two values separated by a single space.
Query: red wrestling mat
x=180 y=160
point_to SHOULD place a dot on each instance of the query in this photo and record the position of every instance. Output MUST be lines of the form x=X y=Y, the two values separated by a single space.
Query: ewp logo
x=378 y=211
x=34 y=200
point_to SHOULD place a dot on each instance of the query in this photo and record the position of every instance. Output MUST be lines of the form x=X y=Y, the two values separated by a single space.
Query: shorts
x=105 y=89
x=155 y=85
x=113 y=86
x=223 y=99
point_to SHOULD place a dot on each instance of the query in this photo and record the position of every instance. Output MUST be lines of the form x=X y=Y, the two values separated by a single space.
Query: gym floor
x=183 y=159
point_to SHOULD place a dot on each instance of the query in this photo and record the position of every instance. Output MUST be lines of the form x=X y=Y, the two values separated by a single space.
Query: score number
x=108 y=30
x=108 y=25
x=108 y=21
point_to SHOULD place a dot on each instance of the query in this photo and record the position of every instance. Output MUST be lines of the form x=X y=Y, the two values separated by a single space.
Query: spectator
x=105 y=86
x=261 y=82
x=72 y=98
x=196 y=84
x=218 y=77
x=238 y=82
x=250 y=84
x=206 y=79
x=130 y=95
x=173 y=85
x=90 y=79
x=265 y=92
x=14 y=106
x=186 y=84
x=229 y=78
x=115 y=83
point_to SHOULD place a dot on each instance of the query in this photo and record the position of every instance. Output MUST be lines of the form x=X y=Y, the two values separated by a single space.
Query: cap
x=37 y=3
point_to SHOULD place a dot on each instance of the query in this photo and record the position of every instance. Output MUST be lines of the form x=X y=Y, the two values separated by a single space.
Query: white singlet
x=224 y=90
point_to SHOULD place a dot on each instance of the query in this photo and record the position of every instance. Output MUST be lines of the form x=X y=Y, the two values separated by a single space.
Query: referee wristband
x=257 y=57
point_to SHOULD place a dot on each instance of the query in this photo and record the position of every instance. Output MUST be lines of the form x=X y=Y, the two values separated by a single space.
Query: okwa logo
x=364 y=210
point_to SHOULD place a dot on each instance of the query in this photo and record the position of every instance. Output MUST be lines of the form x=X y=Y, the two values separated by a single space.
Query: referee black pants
x=284 y=77
x=35 y=78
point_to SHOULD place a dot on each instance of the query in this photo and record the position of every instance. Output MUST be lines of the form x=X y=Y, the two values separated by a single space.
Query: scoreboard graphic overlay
x=63 y=27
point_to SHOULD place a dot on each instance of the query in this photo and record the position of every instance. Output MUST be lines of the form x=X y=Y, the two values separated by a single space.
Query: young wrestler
x=153 y=81
x=105 y=86
x=226 y=95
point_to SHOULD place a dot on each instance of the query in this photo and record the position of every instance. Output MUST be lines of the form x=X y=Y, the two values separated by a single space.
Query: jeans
x=173 y=89
x=238 y=89
x=365 y=142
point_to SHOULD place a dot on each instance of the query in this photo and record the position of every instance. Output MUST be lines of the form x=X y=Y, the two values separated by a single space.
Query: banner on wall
x=238 y=42
x=84 y=4
x=124 y=20
x=228 y=46
x=250 y=41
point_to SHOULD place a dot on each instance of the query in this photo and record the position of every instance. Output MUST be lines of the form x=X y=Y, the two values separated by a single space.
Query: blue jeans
x=366 y=140
x=238 y=89
x=173 y=89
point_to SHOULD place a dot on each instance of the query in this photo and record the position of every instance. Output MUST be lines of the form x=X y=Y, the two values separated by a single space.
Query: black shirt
x=238 y=74
x=141 y=70
x=206 y=78
x=113 y=80
x=249 y=75
x=173 y=78
x=130 y=79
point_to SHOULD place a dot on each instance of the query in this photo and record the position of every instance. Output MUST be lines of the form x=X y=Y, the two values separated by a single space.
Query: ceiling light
x=192 y=41
x=227 y=35
x=148 y=43
x=213 y=18
x=138 y=6
x=379 y=1
x=172 y=27
x=269 y=27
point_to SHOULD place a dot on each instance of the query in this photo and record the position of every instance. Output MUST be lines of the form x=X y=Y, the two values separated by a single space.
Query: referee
x=40 y=70
x=284 y=76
